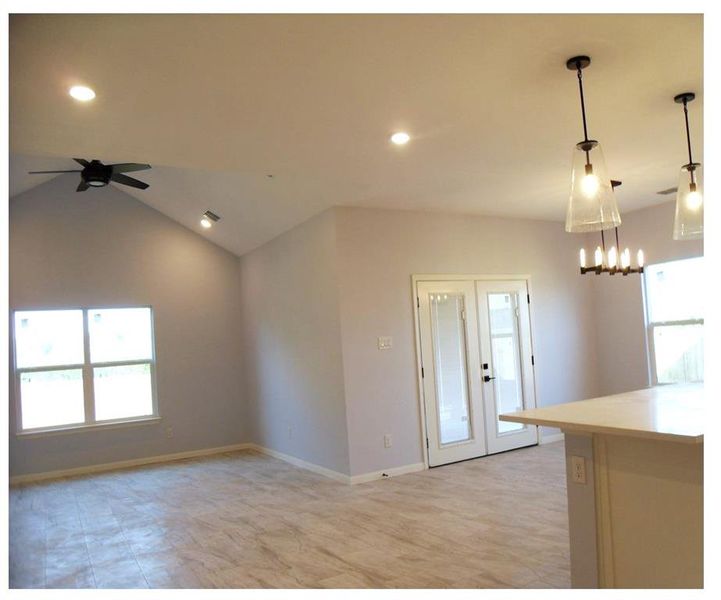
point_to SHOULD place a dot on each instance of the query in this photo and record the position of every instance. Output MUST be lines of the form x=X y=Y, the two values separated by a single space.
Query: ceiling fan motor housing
x=97 y=174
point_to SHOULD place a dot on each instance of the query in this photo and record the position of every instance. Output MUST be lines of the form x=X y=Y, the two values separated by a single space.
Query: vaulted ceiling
x=269 y=119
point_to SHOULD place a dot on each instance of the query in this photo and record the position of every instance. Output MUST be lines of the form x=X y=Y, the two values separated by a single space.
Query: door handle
x=487 y=378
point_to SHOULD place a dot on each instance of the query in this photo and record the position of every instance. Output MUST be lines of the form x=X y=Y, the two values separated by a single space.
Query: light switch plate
x=385 y=342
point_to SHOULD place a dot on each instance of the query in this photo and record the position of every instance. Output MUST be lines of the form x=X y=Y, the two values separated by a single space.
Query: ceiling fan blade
x=125 y=180
x=81 y=161
x=44 y=172
x=82 y=186
x=129 y=167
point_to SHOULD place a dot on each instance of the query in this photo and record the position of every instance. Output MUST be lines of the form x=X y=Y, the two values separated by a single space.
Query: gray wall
x=379 y=250
x=104 y=248
x=292 y=345
x=620 y=311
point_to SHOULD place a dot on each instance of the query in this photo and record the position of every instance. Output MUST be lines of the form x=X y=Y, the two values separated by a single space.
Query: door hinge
x=423 y=373
x=427 y=446
x=418 y=302
x=533 y=360
x=528 y=298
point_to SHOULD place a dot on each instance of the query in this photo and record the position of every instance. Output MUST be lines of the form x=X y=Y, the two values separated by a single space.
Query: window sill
x=85 y=427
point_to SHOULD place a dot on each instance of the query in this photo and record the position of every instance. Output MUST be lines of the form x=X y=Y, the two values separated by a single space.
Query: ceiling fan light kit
x=96 y=174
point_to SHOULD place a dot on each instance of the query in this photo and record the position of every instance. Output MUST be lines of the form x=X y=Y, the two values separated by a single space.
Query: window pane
x=506 y=359
x=679 y=353
x=119 y=334
x=51 y=398
x=675 y=290
x=122 y=392
x=449 y=347
x=45 y=338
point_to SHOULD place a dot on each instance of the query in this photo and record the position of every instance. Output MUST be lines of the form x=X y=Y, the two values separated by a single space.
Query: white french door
x=451 y=371
x=507 y=363
x=476 y=352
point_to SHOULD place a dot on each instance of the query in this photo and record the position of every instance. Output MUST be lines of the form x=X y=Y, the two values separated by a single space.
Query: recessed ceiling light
x=208 y=219
x=400 y=138
x=82 y=93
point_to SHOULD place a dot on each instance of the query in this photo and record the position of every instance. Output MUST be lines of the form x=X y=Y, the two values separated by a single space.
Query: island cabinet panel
x=634 y=472
x=649 y=512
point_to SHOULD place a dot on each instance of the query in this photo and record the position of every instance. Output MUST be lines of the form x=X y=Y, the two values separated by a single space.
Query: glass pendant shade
x=688 y=224
x=592 y=204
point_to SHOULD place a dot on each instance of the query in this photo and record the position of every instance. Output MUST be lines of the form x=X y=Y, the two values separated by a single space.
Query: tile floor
x=244 y=520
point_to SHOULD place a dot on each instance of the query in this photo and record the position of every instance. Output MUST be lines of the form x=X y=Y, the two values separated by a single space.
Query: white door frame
x=415 y=278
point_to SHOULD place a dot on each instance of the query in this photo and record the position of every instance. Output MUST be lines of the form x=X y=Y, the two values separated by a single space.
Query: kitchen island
x=634 y=469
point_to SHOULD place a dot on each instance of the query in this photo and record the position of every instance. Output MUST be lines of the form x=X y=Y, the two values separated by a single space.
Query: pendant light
x=591 y=205
x=614 y=260
x=688 y=224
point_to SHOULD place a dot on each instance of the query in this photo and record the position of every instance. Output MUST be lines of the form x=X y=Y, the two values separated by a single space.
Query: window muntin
x=674 y=298
x=83 y=367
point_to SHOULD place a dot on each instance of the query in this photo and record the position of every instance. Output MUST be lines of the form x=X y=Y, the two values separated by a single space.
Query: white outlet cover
x=385 y=342
x=578 y=469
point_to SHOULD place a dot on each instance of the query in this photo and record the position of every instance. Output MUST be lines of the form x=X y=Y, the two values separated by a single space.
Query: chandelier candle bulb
x=612 y=257
x=598 y=256
x=582 y=258
x=639 y=259
x=625 y=259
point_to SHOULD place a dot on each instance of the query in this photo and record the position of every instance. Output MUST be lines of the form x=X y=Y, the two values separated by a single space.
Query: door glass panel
x=449 y=348
x=506 y=359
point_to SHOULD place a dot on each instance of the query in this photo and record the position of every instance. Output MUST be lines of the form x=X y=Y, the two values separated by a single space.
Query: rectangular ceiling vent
x=211 y=215
x=668 y=191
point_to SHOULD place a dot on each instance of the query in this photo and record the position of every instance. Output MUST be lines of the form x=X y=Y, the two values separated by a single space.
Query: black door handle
x=487 y=378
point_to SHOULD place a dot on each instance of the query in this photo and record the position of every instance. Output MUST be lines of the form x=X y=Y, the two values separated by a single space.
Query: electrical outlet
x=168 y=432
x=387 y=440
x=578 y=469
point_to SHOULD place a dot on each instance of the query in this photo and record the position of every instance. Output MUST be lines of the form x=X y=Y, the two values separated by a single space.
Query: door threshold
x=455 y=462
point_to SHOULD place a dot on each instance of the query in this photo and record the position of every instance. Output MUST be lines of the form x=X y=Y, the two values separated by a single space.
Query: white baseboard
x=402 y=470
x=161 y=458
x=549 y=439
x=303 y=464
x=124 y=464
x=342 y=477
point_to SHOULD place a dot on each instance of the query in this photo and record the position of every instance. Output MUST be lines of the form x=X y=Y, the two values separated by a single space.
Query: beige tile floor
x=246 y=520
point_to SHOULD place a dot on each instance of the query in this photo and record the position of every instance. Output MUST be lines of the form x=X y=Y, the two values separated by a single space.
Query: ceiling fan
x=96 y=174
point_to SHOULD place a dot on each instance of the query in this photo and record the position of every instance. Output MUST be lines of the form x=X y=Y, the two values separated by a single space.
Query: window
x=674 y=297
x=83 y=367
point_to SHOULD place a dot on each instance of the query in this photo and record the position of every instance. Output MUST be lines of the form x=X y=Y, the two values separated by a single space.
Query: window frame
x=87 y=367
x=651 y=325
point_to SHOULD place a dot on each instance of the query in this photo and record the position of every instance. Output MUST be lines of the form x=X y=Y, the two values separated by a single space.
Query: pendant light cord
x=688 y=133
x=691 y=167
x=583 y=104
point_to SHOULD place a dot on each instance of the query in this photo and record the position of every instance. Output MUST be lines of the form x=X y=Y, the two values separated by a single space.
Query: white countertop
x=668 y=412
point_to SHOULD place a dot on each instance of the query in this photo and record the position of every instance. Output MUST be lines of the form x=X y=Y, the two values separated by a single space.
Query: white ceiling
x=218 y=102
